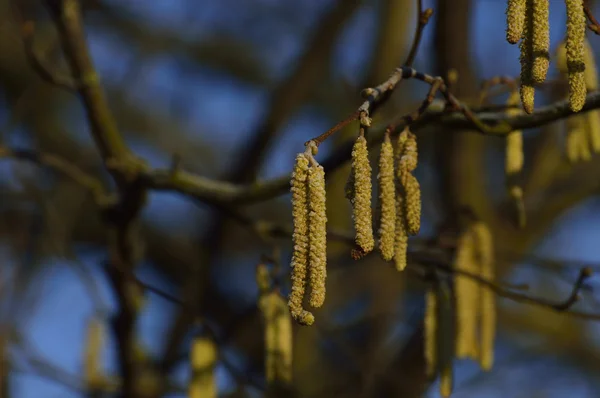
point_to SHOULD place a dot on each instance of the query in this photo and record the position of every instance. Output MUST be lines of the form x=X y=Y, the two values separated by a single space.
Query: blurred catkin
x=93 y=353
x=576 y=26
x=487 y=312
x=514 y=159
x=361 y=200
x=467 y=297
x=300 y=254
x=203 y=360
x=591 y=83
x=430 y=337
x=278 y=339
x=387 y=198
x=317 y=228
x=515 y=20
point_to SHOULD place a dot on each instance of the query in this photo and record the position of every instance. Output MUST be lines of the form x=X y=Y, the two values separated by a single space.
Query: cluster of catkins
x=527 y=21
x=474 y=306
x=400 y=204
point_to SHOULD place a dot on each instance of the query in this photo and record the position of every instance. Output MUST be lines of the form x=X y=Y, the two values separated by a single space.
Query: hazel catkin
x=361 y=200
x=317 y=228
x=387 y=198
x=576 y=26
x=299 y=264
x=410 y=185
x=540 y=41
x=515 y=20
x=526 y=86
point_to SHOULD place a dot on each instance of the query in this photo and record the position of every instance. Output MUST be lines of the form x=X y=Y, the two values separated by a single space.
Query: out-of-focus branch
x=122 y=218
x=61 y=166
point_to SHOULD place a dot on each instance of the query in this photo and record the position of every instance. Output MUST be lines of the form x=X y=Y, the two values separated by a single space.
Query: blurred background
x=234 y=88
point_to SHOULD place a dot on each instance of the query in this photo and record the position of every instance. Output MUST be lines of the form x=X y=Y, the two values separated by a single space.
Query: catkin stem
x=387 y=197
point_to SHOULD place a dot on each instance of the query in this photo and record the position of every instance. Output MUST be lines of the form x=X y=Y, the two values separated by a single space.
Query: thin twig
x=593 y=26
x=422 y=20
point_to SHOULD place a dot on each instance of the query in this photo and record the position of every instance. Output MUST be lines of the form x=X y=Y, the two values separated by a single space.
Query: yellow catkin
x=591 y=83
x=401 y=238
x=445 y=337
x=93 y=353
x=487 y=310
x=515 y=20
x=576 y=26
x=317 y=228
x=577 y=141
x=361 y=202
x=540 y=41
x=299 y=265
x=514 y=159
x=467 y=292
x=514 y=141
x=430 y=329
x=203 y=359
x=526 y=87
x=410 y=186
x=591 y=71
x=387 y=198
x=592 y=120
x=278 y=338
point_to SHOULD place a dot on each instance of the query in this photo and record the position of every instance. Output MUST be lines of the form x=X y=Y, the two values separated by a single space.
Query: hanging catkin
x=278 y=339
x=317 y=228
x=514 y=160
x=467 y=297
x=576 y=26
x=93 y=353
x=526 y=87
x=299 y=263
x=515 y=20
x=577 y=141
x=361 y=198
x=445 y=337
x=487 y=311
x=401 y=239
x=203 y=360
x=591 y=83
x=410 y=186
x=387 y=198
x=540 y=41
x=430 y=329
